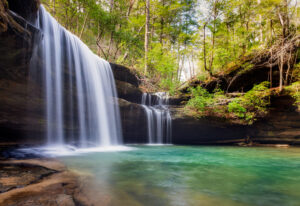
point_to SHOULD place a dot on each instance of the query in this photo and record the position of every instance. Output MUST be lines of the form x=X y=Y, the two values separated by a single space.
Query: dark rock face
x=122 y=73
x=127 y=83
x=27 y=9
x=133 y=117
x=192 y=131
x=16 y=49
x=134 y=122
x=128 y=91
x=281 y=126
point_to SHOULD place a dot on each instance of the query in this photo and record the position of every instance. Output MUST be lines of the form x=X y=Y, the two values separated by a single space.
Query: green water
x=194 y=176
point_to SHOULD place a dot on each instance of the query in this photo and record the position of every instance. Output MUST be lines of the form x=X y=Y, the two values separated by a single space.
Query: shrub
x=247 y=108
x=294 y=90
x=237 y=108
x=201 y=98
x=254 y=103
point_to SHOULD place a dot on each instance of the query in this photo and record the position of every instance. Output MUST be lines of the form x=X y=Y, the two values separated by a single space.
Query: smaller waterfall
x=159 y=119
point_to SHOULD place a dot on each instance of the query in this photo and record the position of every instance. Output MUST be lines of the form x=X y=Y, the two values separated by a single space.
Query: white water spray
x=79 y=87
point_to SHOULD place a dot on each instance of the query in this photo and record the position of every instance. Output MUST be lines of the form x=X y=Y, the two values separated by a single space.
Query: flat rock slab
x=36 y=182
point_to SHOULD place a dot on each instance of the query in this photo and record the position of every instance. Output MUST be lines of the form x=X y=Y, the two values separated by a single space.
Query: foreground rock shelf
x=44 y=181
x=36 y=182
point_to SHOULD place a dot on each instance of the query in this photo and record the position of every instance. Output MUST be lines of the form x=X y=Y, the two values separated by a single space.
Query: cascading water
x=158 y=118
x=79 y=89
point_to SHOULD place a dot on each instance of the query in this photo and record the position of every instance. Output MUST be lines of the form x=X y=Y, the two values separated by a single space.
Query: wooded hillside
x=169 y=41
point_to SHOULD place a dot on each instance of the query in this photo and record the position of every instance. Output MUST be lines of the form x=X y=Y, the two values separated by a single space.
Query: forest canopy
x=170 y=41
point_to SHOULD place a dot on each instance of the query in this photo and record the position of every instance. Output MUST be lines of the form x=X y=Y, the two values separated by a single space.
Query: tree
x=197 y=36
x=147 y=34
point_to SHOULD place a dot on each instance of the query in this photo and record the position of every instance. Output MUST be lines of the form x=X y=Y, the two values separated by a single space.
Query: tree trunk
x=112 y=4
x=53 y=7
x=260 y=24
x=178 y=60
x=84 y=24
x=204 y=48
x=131 y=3
x=213 y=38
x=271 y=71
x=281 y=72
x=271 y=30
x=162 y=25
x=284 y=18
x=147 y=35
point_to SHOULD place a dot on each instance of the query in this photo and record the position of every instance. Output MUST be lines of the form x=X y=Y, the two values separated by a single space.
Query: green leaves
x=294 y=91
x=115 y=30
x=201 y=99
x=254 y=103
x=246 y=108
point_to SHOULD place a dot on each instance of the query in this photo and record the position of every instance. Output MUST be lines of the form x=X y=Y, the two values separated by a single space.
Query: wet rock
x=134 y=124
x=124 y=74
x=16 y=46
x=128 y=91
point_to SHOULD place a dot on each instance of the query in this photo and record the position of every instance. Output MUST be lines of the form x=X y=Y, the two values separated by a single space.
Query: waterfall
x=80 y=94
x=159 y=121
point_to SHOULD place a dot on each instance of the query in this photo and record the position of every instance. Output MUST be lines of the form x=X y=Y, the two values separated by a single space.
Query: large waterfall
x=79 y=87
x=159 y=121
